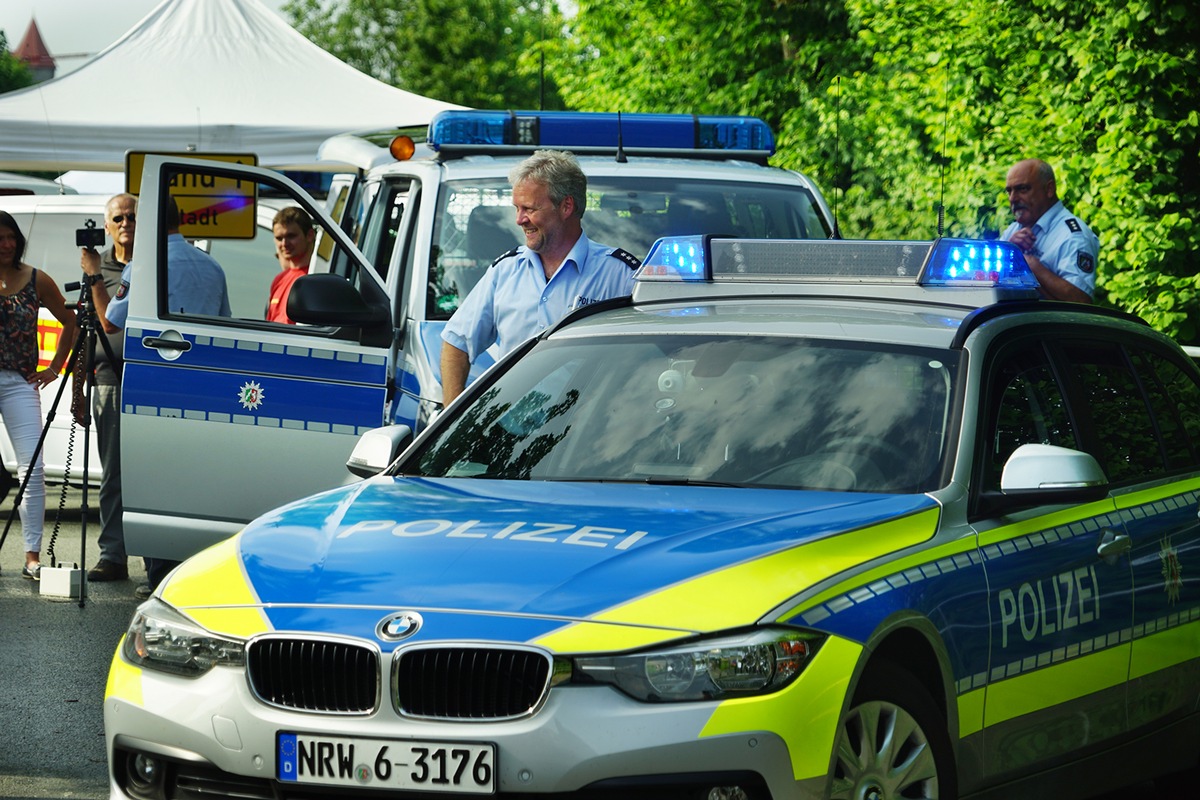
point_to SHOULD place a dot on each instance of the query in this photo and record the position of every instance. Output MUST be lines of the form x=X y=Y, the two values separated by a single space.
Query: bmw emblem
x=399 y=626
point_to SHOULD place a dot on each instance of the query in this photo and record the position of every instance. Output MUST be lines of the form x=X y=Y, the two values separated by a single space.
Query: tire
x=893 y=743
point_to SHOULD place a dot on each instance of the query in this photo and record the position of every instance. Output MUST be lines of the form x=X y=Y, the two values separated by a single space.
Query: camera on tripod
x=89 y=236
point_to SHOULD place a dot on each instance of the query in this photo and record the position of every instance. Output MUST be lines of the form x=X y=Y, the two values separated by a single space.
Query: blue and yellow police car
x=799 y=519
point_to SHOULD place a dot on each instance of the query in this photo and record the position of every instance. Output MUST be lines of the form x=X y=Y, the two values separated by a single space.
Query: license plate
x=463 y=767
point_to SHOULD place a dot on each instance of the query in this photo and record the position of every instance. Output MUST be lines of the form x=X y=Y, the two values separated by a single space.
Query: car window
x=238 y=235
x=770 y=412
x=1026 y=407
x=1175 y=400
x=476 y=222
x=1124 y=438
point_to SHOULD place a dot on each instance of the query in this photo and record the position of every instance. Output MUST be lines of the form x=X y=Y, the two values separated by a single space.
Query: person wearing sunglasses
x=102 y=275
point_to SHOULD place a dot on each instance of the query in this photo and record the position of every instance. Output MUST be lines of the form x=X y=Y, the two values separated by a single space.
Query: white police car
x=258 y=413
x=853 y=520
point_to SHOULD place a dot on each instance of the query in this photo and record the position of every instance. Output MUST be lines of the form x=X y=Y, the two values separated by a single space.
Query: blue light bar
x=959 y=262
x=587 y=132
x=676 y=258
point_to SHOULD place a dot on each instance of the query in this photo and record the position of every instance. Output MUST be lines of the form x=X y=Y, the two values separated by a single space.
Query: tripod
x=84 y=347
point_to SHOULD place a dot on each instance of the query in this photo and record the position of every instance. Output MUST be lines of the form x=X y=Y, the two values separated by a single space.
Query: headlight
x=161 y=638
x=735 y=665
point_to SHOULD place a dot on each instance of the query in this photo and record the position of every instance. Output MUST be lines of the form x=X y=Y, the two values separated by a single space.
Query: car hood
x=537 y=555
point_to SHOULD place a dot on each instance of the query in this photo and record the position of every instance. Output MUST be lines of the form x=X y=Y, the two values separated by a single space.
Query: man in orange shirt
x=294 y=237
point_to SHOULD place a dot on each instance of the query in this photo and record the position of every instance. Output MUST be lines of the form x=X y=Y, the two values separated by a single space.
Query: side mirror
x=327 y=299
x=1045 y=466
x=1041 y=475
x=378 y=448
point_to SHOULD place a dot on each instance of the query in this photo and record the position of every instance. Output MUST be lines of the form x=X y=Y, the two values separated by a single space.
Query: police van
x=226 y=417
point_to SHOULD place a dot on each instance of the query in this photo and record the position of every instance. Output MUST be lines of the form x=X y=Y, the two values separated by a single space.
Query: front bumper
x=213 y=737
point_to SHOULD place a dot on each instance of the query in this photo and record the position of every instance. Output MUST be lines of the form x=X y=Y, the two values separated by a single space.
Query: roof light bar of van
x=969 y=262
x=590 y=132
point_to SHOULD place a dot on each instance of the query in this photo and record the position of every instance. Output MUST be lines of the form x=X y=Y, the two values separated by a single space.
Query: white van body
x=224 y=418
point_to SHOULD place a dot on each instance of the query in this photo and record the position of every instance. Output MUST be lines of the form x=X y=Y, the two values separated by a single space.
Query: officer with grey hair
x=529 y=288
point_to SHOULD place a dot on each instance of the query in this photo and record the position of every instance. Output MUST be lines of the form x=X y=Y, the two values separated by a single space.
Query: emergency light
x=464 y=132
x=940 y=263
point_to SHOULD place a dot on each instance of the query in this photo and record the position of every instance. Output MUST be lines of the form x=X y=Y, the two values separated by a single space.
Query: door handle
x=1113 y=545
x=159 y=343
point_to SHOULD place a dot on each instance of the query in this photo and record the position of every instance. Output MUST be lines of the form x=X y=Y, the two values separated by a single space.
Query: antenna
x=837 y=144
x=620 y=142
x=941 y=207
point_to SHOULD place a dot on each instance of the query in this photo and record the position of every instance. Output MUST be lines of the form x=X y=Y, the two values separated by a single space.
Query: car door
x=1060 y=613
x=1159 y=510
x=226 y=417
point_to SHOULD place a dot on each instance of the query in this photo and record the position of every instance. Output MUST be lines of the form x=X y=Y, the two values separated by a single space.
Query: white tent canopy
x=218 y=76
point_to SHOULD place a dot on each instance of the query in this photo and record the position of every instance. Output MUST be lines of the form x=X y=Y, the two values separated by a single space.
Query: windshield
x=743 y=411
x=476 y=222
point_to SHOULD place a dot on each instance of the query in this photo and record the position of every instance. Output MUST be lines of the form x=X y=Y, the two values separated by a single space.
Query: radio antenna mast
x=837 y=142
x=941 y=208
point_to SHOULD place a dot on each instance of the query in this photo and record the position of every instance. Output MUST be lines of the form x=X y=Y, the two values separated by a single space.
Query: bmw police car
x=250 y=403
x=800 y=519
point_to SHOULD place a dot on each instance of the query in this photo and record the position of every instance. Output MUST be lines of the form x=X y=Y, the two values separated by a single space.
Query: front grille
x=470 y=682
x=314 y=675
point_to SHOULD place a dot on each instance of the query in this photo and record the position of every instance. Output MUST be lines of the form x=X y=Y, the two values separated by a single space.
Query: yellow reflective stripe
x=1155 y=493
x=214 y=591
x=124 y=679
x=964 y=545
x=805 y=714
x=970 y=712
x=1165 y=649
x=1044 y=521
x=584 y=637
x=739 y=595
x=1052 y=686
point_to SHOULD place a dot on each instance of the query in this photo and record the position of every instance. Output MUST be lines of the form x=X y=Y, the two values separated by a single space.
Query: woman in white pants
x=23 y=290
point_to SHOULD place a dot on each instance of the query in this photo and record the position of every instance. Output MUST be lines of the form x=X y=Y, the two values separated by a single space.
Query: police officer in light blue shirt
x=530 y=288
x=1061 y=250
x=195 y=281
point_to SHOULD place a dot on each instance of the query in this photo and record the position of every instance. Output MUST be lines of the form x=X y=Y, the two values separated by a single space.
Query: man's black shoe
x=142 y=592
x=108 y=571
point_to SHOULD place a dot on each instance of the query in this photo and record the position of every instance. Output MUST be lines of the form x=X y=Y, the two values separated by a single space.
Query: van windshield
x=476 y=222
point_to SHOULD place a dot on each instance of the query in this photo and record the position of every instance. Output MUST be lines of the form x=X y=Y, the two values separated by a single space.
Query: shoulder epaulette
x=1074 y=225
x=629 y=258
x=503 y=256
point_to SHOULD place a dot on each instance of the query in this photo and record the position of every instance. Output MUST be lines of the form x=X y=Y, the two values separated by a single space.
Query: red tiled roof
x=32 y=50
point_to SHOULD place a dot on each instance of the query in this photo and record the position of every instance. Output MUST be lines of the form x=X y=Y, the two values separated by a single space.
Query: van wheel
x=893 y=743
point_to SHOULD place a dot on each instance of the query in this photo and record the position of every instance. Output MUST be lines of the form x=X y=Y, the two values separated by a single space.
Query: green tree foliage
x=478 y=53
x=895 y=107
x=14 y=74
x=899 y=107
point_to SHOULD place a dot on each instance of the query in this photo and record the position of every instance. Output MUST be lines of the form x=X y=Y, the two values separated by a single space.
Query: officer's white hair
x=559 y=172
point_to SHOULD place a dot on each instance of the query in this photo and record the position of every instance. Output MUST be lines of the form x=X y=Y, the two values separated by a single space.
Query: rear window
x=476 y=222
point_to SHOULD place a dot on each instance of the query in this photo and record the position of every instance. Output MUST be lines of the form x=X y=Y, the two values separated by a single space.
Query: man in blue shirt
x=528 y=289
x=195 y=281
x=1061 y=250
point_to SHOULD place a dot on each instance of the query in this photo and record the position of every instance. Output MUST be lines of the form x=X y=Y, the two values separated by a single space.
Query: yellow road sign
x=210 y=206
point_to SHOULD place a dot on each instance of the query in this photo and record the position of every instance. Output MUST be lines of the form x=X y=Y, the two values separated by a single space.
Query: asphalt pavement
x=54 y=656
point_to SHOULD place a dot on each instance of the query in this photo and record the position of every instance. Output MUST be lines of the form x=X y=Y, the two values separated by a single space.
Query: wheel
x=892 y=743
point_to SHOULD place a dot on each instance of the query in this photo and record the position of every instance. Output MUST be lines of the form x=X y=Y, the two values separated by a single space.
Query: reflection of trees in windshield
x=749 y=410
x=500 y=440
